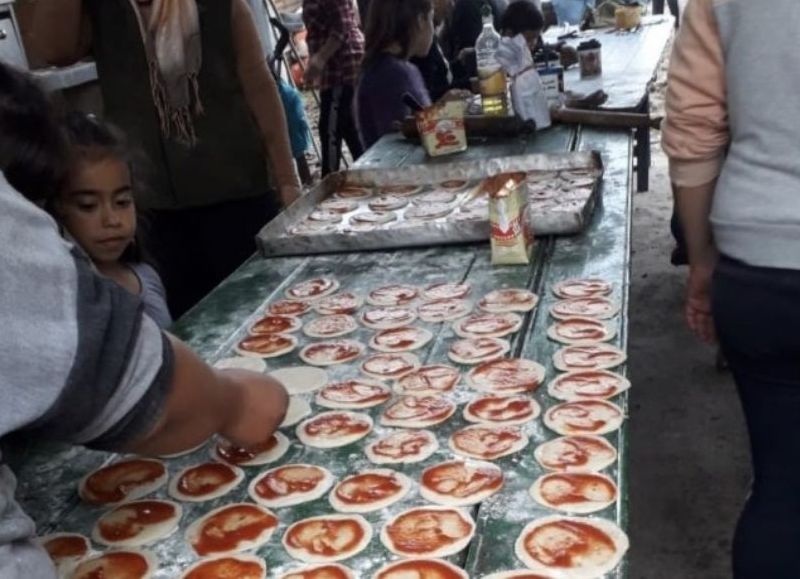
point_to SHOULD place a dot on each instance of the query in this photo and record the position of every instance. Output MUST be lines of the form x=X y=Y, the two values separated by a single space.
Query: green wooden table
x=48 y=475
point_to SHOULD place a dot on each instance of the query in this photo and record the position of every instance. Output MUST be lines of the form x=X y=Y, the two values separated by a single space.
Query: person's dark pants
x=757 y=315
x=195 y=249
x=337 y=124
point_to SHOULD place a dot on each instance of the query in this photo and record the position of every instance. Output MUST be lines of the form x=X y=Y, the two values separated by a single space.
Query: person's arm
x=263 y=98
x=695 y=137
x=57 y=32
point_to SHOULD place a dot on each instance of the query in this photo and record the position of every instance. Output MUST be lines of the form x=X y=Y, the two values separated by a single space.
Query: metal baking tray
x=563 y=213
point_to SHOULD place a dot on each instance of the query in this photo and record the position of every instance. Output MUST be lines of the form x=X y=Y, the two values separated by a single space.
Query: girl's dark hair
x=389 y=22
x=32 y=149
x=521 y=15
x=89 y=138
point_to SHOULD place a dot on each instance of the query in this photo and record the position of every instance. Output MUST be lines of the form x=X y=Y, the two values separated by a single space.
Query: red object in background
x=297 y=68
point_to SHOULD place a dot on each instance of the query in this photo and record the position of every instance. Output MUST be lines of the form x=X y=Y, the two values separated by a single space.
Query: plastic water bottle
x=491 y=77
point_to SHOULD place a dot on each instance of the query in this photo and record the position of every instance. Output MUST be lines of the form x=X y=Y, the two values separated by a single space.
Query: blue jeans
x=757 y=315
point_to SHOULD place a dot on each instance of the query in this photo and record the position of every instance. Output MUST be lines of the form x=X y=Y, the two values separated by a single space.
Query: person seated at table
x=396 y=31
x=524 y=17
x=96 y=208
x=82 y=363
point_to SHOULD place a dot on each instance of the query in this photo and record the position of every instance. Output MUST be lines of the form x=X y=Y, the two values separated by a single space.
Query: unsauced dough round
x=242 y=363
x=300 y=379
x=298 y=409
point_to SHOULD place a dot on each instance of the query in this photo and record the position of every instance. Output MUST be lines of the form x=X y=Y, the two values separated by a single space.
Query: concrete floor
x=689 y=461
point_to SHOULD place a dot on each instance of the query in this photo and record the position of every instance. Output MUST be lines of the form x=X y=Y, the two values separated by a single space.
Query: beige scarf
x=174 y=55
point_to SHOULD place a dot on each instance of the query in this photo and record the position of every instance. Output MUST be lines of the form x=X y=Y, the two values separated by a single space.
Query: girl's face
x=422 y=39
x=97 y=208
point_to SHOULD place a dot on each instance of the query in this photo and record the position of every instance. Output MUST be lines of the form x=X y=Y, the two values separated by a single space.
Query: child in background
x=96 y=209
x=396 y=31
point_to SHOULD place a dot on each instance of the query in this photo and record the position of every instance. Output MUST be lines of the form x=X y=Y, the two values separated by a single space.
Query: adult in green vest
x=188 y=83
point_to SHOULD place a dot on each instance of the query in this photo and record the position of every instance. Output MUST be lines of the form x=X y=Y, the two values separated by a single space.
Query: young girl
x=396 y=31
x=96 y=209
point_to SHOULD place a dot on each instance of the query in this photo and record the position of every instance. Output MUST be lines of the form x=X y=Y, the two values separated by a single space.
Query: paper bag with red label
x=511 y=236
x=441 y=127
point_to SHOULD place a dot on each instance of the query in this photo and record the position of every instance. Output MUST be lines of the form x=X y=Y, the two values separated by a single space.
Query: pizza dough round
x=120 y=562
x=473 y=351
x=298 y=409
x=334 y=428
x=344 y=303
x=428 y=212
x=588 y=357
x=488 y=325
x=597 y=545
x=454 y=184
x=313 y=289
x=584 y=453
x=596 y=307
x=580 y=331
x=272 y=324
x=331 y=326
x=327 y=538
x=584 y=417
x=232 y=528
x=290 y=484
x=137 y=523
x=578 y=493
x=506 y=376
x=205 y=482
x=355 y=393
x=418 y=411
x=387 y=203
x=240 y=566
x=400 y=339
x=324 y=571
x=444 y=310
x=312 y=228
x=420 y=568
x=502 y=410
x=587 y=385
x=440 y=197
x=300 y=379
x=581 y=288
x=433 y=379
x=65 y=549
x=401 y=190
x=270 y=451
x=369 y=490
x=339 y=205
x=392 y=295
x=325 y=216
x=517 y=574
x=388 y=318
x=402 y=447
x=372 y=218
x=446 y=291
x=353 y=192
x=485 y=442
x=332 y=352
x=123 y=481
x=288 y=308
x=242 y=363
x=459 y=483
x=430 y=531
x=390 y=366
x=508 y=300
x=267 y=346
